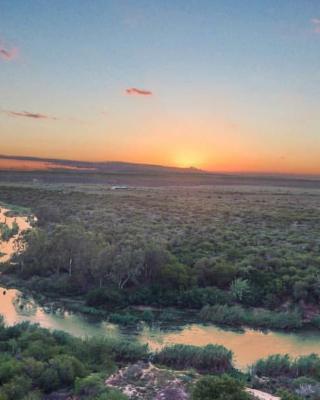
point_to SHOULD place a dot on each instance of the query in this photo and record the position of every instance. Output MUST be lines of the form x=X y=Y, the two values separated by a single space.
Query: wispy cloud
x=316 y=25
x=28 y=114
x=6 y=53
x=138 y=92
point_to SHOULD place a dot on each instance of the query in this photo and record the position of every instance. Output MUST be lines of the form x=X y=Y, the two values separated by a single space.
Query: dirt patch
x=144 y=381
x=9 y=247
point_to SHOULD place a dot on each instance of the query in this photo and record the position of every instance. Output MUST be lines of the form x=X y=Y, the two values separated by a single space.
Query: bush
x=278 y=365
x=100 y=351
x=259 y=318
x=219 y=388
x=210 y=358
x=105 y=297
x=16 y=388
x=286 y=395
x=123 y=319
x=147 y=316
x=112 y=394
x=93 y=387
x=68 y=368
x=90 y=386
x=199 y=297
x=273 y=366
x=315 y=321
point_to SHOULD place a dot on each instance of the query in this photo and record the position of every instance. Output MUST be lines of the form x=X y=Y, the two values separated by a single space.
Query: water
x=248 y=346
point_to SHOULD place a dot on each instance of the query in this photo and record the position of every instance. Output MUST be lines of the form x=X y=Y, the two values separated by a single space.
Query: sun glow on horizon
x=147 y=94
x=187 y=159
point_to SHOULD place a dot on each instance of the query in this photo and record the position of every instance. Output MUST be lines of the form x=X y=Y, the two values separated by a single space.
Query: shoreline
x=182 y=317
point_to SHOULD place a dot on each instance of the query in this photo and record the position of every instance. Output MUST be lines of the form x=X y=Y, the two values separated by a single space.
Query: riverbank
x=78 y=367
x=248 y=345
x=52 y=364
x=127 y=313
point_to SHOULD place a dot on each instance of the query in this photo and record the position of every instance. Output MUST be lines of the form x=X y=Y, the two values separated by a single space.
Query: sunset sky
x=222 y=85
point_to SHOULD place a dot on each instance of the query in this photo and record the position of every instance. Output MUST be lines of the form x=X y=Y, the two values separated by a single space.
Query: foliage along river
x=247 y=346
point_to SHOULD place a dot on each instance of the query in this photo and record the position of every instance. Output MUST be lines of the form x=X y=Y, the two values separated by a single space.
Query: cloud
x=138 y=92
x=7 y=54
x=29 y=115
x=316 y=25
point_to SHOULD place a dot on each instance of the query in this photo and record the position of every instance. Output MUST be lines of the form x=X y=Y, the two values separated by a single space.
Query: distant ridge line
x=135 y=168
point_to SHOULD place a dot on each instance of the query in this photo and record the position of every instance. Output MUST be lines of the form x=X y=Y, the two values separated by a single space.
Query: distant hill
x=20 y=163
x=46 y=170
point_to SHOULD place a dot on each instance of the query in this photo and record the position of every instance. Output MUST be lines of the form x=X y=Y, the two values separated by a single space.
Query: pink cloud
x=316 y=24
x=138 y=92
x=8 y=54
x=29 y=115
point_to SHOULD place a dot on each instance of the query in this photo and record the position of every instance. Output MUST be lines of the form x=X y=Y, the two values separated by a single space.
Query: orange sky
x=196 y=83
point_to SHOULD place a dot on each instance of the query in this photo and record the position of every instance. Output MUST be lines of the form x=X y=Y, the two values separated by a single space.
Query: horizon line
x=196 y=169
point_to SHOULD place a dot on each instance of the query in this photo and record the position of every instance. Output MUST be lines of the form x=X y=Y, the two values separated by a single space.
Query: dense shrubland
x=231 y=249
x=293 y=378
x=35 y=362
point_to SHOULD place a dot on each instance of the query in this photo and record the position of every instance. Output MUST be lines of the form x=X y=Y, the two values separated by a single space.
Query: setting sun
x=187 y=159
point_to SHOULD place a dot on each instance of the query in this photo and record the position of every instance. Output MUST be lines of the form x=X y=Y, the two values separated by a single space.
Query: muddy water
x=248 y=346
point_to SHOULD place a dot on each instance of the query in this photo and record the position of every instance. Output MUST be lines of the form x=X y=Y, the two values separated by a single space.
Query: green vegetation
x=259 y=318
x=211 y=358
x=219 y=388
x=292 y=379
x=6 y=233
x=93 y=387
x=243 y=256
x=34 y=361
x=276 y=366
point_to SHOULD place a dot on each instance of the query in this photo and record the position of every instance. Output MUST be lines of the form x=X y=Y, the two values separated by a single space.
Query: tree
x=175 y=275
x=102 y=267
x=155 y=258
x=239 y=288
x=219 y=388
x=127 y=266
x=211 y=272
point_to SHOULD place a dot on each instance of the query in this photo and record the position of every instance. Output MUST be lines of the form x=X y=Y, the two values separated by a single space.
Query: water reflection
x=247 y=345
x=17 y=307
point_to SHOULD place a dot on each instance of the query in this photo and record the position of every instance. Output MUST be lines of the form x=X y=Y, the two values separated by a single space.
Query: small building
x=119 y=187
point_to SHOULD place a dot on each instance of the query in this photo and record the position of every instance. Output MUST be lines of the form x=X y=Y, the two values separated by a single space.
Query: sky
x=220 y=85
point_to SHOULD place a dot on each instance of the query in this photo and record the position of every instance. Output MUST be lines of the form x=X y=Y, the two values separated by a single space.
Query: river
x=247 y=345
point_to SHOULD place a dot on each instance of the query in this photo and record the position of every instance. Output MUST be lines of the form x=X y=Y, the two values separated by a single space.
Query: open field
x=155 y=178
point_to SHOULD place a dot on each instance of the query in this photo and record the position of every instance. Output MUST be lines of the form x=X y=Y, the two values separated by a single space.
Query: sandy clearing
x=262 y=395
x=8 y=247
